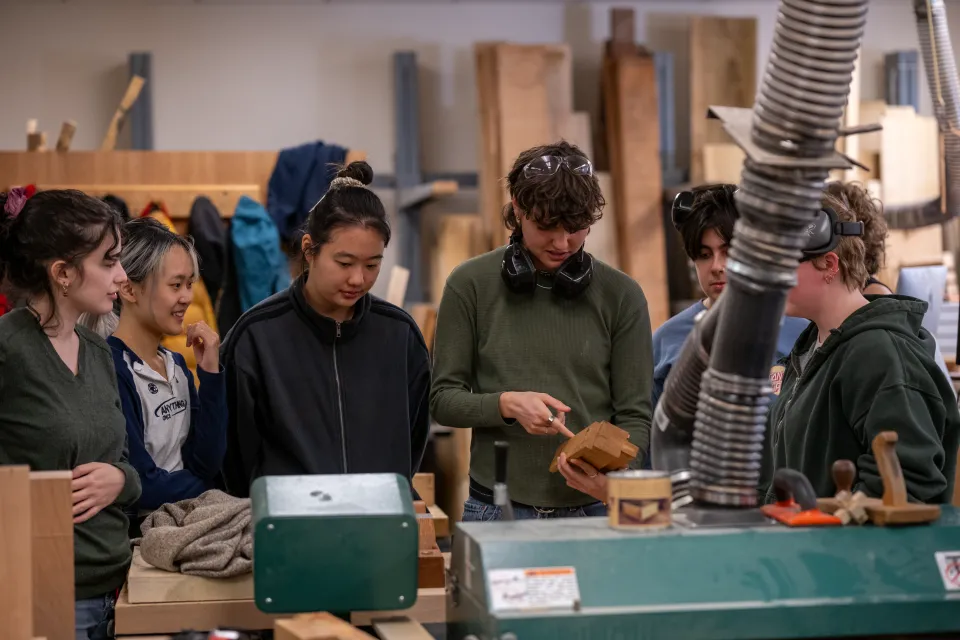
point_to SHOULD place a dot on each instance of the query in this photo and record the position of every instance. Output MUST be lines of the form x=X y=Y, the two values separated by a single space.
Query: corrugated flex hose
x=941 y=68
x=795 y=125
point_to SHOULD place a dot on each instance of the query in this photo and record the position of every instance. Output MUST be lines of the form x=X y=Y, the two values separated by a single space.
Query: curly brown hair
x=868 y=210
x=565 y=199
x=851 y=250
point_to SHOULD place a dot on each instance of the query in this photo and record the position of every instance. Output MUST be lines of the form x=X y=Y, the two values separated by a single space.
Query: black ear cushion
x=517 y=270
x=681 y=208
x=574 y=275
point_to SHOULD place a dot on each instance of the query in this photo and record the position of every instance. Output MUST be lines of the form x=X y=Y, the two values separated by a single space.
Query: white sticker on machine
x=949 y=565
x=529 y=589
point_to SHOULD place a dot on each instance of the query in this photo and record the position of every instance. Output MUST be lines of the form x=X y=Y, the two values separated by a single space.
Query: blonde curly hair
x=858 y=255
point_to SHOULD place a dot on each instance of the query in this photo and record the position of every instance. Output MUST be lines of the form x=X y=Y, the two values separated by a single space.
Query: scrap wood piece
x=723 y=71
x=147 y=584
x=16 y=568
x=67 y=129
x=51 y=535
x=316 y=626
x=397 y=286
x=173 y=617
x=633 y=144
x=441 y=521
x=400 y=629
x=425 y=315
x=605 y=446
x=427 y=534
x=431 y=569
x=129 y=97
x=425 y=485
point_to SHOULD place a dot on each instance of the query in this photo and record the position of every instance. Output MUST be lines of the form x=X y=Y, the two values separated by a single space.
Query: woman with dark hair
x=324 y=377
x=59 y=407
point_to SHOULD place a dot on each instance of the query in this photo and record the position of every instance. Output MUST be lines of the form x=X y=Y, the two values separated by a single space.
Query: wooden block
x=623 y=32
x=723 y=71
x=126 y=103
x=37 y=141
x=722 y=162
x=427 y=533
x=459 y=238
x=419 y=506
x=441 y=522
x=67 y=129
x=147 y=584
x=16 y=569
x=601 y=444
x=430 y=608
x=178 y=198
x=909 y=157
x=424 y=485
x=317 y=626
x=51 y=524
x=430 y=569
x=173 y=617
x=401 y=629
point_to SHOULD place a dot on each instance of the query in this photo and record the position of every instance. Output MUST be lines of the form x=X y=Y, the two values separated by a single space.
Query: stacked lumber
x=525 y=95
x=631 y=118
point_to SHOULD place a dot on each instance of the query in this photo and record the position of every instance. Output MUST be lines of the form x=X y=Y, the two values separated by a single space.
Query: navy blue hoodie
x=204 y=448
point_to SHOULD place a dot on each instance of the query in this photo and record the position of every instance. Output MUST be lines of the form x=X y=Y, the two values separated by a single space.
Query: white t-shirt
x=166 y=409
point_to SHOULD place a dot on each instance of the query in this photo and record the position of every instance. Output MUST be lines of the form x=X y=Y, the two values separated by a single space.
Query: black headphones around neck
x=520 y=275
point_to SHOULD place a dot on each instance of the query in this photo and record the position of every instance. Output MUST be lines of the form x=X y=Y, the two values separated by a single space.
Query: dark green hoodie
x=875 y=373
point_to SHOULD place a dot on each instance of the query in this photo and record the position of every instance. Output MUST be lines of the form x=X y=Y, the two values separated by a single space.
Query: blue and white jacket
x=204 y=448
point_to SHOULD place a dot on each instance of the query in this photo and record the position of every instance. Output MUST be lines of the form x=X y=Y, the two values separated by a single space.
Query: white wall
x=250 y=76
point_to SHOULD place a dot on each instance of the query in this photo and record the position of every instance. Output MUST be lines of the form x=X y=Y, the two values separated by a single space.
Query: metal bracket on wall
x=412 y=191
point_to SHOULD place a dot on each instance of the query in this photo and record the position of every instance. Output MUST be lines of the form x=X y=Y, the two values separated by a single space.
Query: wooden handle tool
x=895 y=508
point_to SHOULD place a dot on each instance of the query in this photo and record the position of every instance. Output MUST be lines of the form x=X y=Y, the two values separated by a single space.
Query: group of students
x=534 y=341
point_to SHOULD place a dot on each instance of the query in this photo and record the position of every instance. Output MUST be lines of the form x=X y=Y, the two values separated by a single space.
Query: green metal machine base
x=765 y=582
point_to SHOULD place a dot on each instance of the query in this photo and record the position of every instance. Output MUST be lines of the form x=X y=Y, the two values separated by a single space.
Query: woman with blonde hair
x=861 y=367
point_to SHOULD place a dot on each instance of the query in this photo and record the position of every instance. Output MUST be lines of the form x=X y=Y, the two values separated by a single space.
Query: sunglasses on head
x=549 y=165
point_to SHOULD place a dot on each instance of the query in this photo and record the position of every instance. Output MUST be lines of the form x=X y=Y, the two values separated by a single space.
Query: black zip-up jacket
x=309 y=395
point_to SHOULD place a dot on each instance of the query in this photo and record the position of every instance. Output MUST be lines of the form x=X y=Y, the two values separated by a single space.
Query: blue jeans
x=95 y=617
x=476 y=511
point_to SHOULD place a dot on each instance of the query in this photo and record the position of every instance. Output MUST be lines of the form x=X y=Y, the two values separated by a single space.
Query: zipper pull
x=338 y=329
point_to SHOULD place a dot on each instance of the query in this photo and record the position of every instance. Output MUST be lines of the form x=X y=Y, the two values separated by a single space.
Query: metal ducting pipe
x=790 y=151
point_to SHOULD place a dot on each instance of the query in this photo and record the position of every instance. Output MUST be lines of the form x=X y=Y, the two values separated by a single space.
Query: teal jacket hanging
x=261 y=267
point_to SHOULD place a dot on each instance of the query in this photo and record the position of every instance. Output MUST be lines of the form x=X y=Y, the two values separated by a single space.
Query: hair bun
x=358 y=170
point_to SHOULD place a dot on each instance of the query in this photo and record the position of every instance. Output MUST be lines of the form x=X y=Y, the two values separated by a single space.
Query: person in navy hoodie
x=176 y=435
x=705 y=218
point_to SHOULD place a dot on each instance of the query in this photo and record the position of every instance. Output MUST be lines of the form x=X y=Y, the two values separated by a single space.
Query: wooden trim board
x=147 y=584
x=178 y=198
x=51 y=518
x=16 y=572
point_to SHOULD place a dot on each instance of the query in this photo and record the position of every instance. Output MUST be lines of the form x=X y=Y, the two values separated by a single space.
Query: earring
x=828 y=279
x=63 y=285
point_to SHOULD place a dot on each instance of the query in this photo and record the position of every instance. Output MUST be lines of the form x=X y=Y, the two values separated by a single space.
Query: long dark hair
x=60 y=224
x=347 y=203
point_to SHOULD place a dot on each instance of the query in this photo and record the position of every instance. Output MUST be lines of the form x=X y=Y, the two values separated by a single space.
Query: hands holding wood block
x=604 y=446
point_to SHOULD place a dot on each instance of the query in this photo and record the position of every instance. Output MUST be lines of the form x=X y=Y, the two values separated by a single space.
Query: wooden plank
x=909 y=157
x=129 y=97
x=850 y=145
x=723 y=71
x=51 y=534
x=427 y=534
x=602 y=241
x=441 y=522
x=173 y=617
x=147 y=584
x=397 y=287
x=459 y=238
x=317 y=626
x=524 y=105
x=485 y=58
x=425 y=315
x=424 y=484
x=178 y=198
x=401 y=629
x=16 y=572
x=722 y=163
x=575 y=128
x=634 y=144
x=430 y=608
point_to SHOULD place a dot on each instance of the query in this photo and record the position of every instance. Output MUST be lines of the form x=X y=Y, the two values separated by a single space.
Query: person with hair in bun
x=59 y=406
x=324 y=377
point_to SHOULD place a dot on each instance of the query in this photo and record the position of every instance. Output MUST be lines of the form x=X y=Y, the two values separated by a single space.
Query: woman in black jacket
x=324 y=377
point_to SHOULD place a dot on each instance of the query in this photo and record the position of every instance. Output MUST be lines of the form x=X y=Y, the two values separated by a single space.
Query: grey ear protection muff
x=520 y=275
x=825 y=231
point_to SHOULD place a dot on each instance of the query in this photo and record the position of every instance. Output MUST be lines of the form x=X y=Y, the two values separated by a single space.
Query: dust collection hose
x=795 y=122
x=941 y=68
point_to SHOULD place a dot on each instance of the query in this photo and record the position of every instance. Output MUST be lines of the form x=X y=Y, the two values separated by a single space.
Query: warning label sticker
x=529 y=589
x=949 y=564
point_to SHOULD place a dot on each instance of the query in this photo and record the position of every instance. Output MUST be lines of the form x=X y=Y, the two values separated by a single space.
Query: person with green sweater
x=864 y=365
x=59 y=404
x=537 y=340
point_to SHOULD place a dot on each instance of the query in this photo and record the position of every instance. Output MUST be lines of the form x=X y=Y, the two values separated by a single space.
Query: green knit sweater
x=52 y=420
x=593 y=353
